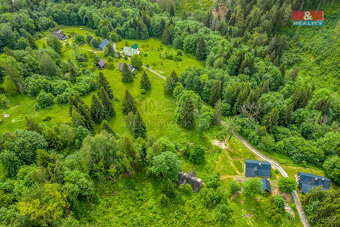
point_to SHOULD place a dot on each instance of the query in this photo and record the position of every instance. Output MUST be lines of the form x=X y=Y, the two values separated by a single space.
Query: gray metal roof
x=195 y=182
x=255 y=168
x=101 y=63
x=104 y=44
x=265 y=185
x=308 y=181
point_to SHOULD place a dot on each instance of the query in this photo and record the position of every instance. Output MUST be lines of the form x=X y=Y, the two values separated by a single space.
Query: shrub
x=143 y=91
x=164 y=200
x=279 y=201
x=287 y=184
x=214 y=181
x=62 y=98
x=3 y=101
x=234 y=187
x=253 y=186
x=44 y=100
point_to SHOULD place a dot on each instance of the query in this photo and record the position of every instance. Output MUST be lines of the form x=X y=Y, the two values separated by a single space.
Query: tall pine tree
x=166 y=36
x=215 y=93
x=186 y=116
x=98 y=112
x=201 y=49
x=107 y=102
x=31 y=41
x=139 y=127
x=170 y=83
x=103 y=83
x=217 y=113
x=129 y=104
x=84 y=110
x=172 y=11
x=145 y=82
x=105 y=126
x=126 y=74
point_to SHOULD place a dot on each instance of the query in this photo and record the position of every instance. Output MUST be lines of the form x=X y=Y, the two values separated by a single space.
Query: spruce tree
x=98 y=112
x=129 y=104
x=78 y=119
x=130 y=122
x=217 y=113
x=174 y=76
x=166 y=36
x=84 y=110
x=31 y=41
x=172 y=11
x=126 y=74
x=215 y=93
x=107 y=103
x=187 y=116
x=109 y=51
x=139 y=127
x=145 y=82
x=161 y=27
x=73 y=72
x=103 y=83
x=200 y=49
x=170 y=83
x=105 y=126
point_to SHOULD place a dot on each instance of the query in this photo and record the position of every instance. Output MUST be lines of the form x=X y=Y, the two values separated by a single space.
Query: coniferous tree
x=161 y=27
x=174 y=76
x=271 y=119
x=109 y=51
x=130 y=122
x=166 y=36
x=107 y=103
x=129 y=103
x=215 y=93
x=172 y=11
x=105 y=126
x=139 y=127
x=98 y=112
x=217 y=113
x=32 y=125
x=84 y=110
x=78 y=119
x=31 y=41
x=145 y=82
x=201 y=49
x=126 y=74
x=103 y=83
x=73 y=72
x=187 y=116
x=170 y=83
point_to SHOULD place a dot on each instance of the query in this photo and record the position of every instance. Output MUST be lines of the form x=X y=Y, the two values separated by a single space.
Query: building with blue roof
x=135 y=46
x=255 y=168
x=308 y=181
x=104 y=44
x=265 y=185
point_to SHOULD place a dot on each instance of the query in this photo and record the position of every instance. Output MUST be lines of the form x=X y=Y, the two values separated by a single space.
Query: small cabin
x=128 y=51
x=308 y=181
x=104 y=44
x=255 y=168
x=60 y=35
x=101 y=64
x=190 y=178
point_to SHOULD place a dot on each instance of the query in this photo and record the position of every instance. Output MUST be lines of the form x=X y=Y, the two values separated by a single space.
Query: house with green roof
x=135 y=46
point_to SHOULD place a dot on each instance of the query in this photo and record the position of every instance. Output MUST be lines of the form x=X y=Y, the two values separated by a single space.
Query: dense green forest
x=94 y=146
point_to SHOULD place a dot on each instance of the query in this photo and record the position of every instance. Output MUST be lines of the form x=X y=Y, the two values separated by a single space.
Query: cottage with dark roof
x=265 y=185
x=190 y=178
x=121 y=65
x=60 y=35
x=104 y=44
x=308 y=181
x=101 y=64
x=255 y=168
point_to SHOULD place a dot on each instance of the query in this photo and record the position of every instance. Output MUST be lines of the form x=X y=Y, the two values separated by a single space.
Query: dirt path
x=222 y=145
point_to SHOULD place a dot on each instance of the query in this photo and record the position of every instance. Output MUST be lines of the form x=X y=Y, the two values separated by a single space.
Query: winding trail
x=275 y=165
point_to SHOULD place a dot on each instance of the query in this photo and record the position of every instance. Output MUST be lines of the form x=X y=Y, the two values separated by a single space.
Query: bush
x=287 y=184
x=214 y=181
x=62 y=98
x=234 y=187
x=143 y=91
x=44 y=100
x=279 y=201
x=169 y=189
x=3 y=101
x=164 y=200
